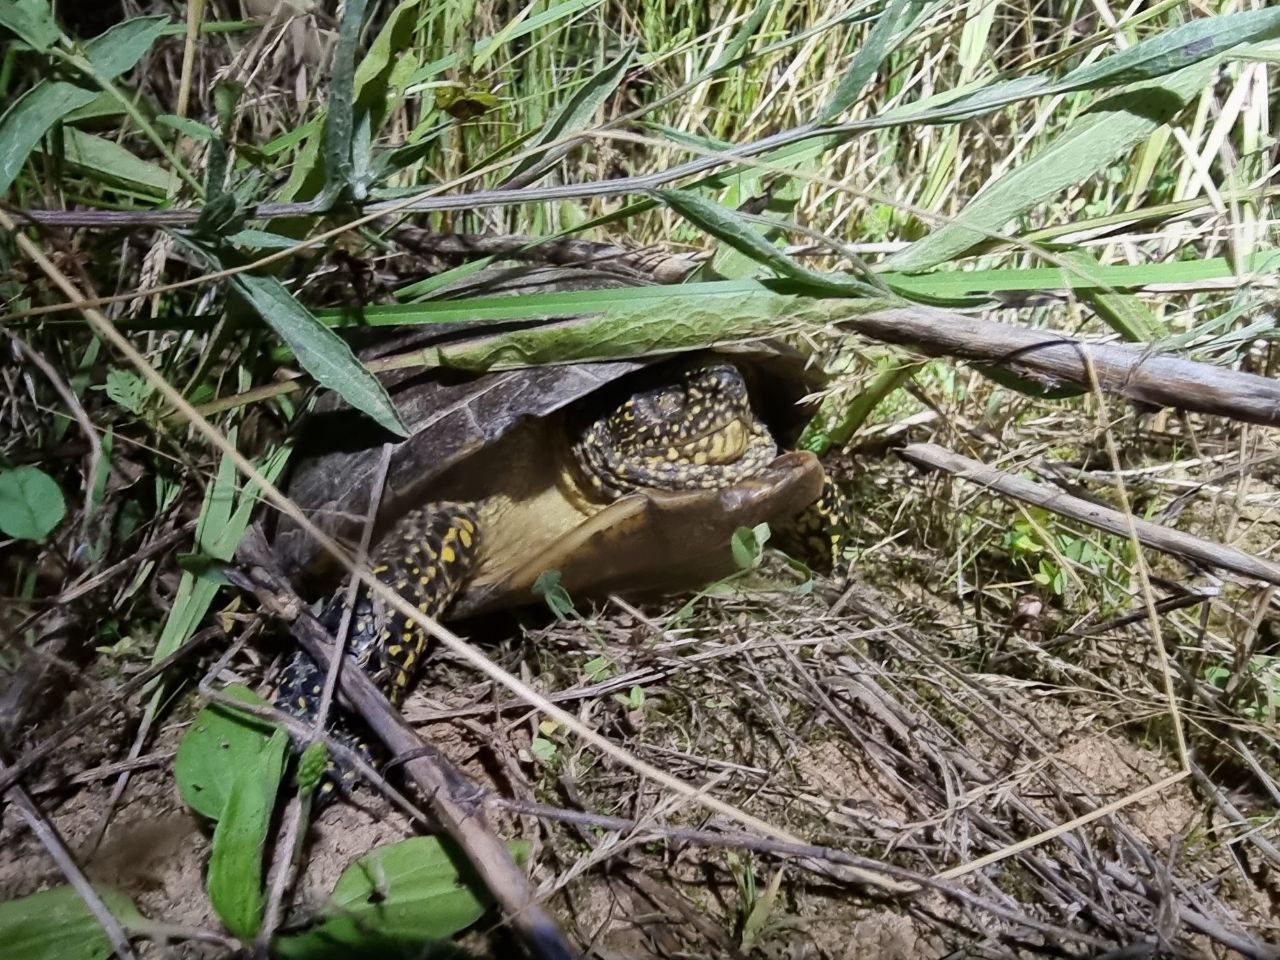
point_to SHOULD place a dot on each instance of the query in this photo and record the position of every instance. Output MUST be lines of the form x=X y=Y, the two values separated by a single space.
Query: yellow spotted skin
x=819 y=535
x=692 y=429
x=425 y=558
x=684 y=426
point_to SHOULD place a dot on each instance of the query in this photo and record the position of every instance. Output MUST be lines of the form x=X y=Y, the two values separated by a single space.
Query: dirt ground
x=831 y=716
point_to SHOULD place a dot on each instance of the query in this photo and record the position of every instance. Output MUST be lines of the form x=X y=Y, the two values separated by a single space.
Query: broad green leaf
x=261 y=240
x=240 y=838
x=56 y=925
x=319 y=350
x=32 y=20
x=1087 y=146
x=30 y=118
x=1171 y=50
x=639 y=329
x=35 y=112
x=112 y=163
x=747 y=545
x=394 y=901
x=578 y=112
x=219 y=744
x=31 y=504
x=866 y=62
x=116 y=50
x=729 y=228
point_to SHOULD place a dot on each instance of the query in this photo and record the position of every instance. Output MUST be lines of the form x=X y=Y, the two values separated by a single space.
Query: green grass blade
x=577 y=113
x=728 y=228
x=1092 y=142
x=1166 y=53
x=1122 y=312
x=866 y=62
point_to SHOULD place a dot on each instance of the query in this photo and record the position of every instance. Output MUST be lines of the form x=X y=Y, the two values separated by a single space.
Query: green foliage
x=31 y=503
x=56 y=925
x=324 y=355
x=1258 y=696
x=747 y=545
x=728 y=227
x=577 y=112
x=35 y=113
x=218 y=745
x=1048 y=553
x=553 y=593
x=394 y=902
x=236 y=866
x=1085 y=147
x=312 y=765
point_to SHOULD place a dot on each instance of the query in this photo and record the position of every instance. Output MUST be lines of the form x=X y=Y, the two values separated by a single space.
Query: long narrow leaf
x=1162 y=55
x=942 y=285
x=866 y=62
x=750 y=27
x=339 y=121
x=1091 y=143
x=725 y=226
x=1170 y=51
x=578 y=112
x=320 y=351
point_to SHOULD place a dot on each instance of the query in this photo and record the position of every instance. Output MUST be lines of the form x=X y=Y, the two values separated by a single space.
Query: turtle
x=623 y=476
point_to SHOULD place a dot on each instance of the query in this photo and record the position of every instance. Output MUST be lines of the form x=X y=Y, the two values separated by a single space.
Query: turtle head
x=683 y=426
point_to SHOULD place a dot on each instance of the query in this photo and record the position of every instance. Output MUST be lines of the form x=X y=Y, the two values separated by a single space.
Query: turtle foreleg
x=426 y=558
x=818 y=535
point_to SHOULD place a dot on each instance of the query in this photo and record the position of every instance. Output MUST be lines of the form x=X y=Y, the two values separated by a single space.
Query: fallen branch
x=1176 y=542
x=452 y=797
x=1054 y=358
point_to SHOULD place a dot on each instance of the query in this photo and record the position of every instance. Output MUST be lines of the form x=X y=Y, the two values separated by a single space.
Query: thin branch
x=1150 y=534
x=451 y=795
x=47 y=834
x=591 y=189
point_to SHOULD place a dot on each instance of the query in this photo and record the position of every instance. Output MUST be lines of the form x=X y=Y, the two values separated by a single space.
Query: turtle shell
x=469 y=432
